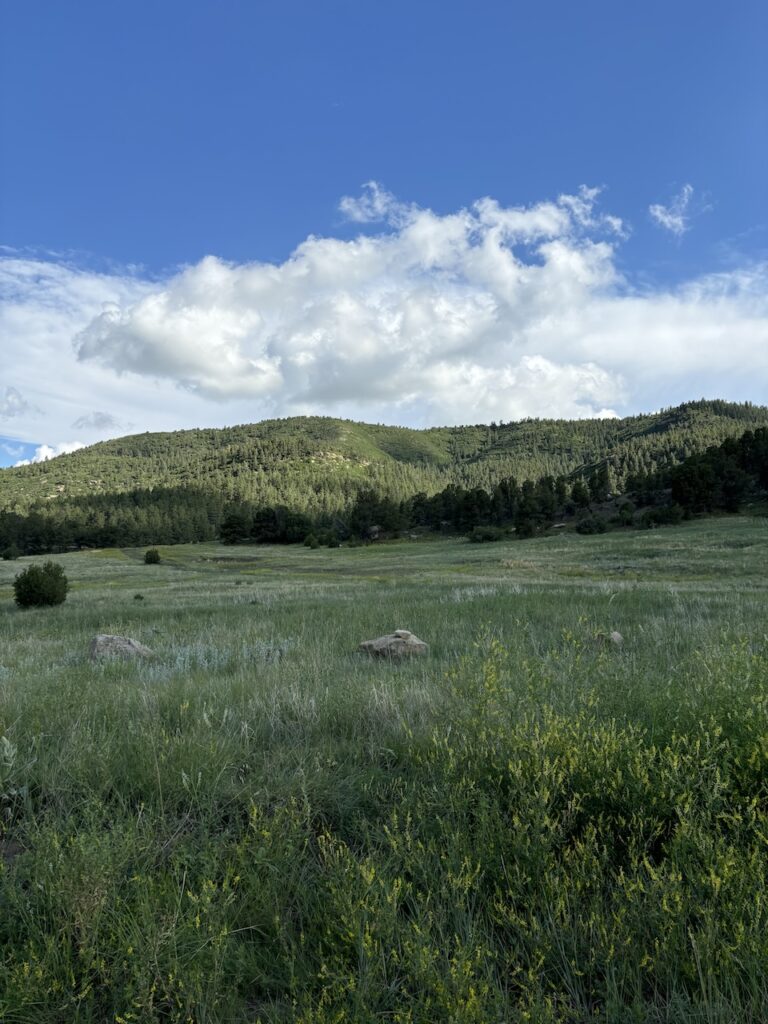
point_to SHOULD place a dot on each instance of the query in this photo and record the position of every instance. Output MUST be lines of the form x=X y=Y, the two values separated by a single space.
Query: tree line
x=722 y=478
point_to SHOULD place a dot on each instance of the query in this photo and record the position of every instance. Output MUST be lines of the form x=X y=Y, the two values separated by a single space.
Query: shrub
x=591 y=525
x=311 y=541
x=11 y=553
x=152 y=557
x=484 y=534
x=40 y=585
x=668 y=515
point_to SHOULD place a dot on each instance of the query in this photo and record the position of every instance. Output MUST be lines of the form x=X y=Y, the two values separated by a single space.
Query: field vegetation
x=531 y=824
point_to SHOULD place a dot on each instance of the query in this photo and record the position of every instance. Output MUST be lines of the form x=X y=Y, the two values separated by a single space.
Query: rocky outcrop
x=106 y=645
x=400 y=644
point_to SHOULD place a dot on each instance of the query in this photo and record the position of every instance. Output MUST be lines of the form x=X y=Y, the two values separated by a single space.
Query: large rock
x=106 y=645
x=400 y=644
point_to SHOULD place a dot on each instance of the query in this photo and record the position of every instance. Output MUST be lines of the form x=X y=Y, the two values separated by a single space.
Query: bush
x=40 y=585
x=11 y=553
x=484 y=534
x=152 y=557
x=591 y=525
x=311 y=541
x=668 y=515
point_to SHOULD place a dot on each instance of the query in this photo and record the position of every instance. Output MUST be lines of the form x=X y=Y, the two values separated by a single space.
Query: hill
x=319 y=464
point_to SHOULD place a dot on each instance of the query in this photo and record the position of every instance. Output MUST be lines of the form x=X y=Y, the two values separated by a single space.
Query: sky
x=436 y=212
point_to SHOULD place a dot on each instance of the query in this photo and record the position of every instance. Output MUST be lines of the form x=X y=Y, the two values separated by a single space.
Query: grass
x=261 y=825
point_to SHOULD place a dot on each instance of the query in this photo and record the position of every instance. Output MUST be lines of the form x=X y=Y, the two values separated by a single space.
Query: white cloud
x=489 y=312
x=676 y=216
x=13 y=403
x=374 y=204
x=44 y=452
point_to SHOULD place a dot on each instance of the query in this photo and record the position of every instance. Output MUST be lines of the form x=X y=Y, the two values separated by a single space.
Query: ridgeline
x=180 y=486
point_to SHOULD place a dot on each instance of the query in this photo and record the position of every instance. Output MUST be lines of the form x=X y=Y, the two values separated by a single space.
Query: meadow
x=261 y=825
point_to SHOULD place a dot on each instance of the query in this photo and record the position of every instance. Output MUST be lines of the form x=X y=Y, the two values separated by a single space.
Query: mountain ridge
x=319 y=463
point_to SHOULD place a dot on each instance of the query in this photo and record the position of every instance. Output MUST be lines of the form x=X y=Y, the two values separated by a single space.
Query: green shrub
x=311 y=541
x=11 y=553
x=484 y=534
x=669 y=515
x=591 y=524
x=40 y=585
x=152 y=557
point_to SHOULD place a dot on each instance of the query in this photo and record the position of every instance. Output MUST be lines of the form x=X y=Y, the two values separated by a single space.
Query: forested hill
x=318 y=464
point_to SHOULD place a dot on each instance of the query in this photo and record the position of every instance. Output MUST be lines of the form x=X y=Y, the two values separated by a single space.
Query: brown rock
x=400 y=644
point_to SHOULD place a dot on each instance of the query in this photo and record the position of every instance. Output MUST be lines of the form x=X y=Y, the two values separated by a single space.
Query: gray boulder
x=400 y=644
x=106 y=645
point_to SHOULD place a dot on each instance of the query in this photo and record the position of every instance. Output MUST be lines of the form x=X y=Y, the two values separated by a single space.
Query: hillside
x=318 y=464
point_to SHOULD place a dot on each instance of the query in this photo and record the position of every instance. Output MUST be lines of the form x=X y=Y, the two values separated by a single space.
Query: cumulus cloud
x=44 y=452
x=488 y=312
x=676 y=216
x=372 y=205
x=434 y=314
x=44 y=303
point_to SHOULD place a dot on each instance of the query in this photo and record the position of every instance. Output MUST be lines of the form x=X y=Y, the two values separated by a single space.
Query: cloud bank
x=490 y=312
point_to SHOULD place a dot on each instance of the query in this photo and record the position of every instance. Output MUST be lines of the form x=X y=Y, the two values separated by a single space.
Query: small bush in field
x=11 y=553
x=40 y=586
x=591 y=524
x=485 y=534
x=152 y=557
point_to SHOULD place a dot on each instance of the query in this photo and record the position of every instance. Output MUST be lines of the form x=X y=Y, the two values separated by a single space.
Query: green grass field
x=260 y=824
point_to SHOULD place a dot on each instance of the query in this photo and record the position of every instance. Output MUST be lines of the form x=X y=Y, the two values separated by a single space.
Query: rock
x=614 y=639
x=400 y=644
x=105 y=645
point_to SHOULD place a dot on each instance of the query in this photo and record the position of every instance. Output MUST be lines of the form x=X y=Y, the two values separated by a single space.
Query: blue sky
x=161 y=163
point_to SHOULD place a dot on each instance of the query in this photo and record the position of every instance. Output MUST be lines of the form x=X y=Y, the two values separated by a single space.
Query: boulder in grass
x=106 y=645
x=612 y=639
x=400 y=644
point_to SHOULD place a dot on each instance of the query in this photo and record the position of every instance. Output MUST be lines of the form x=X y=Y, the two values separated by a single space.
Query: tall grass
x=261 y=825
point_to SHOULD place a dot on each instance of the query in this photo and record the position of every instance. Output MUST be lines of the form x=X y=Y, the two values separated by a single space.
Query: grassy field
x=260 y=824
